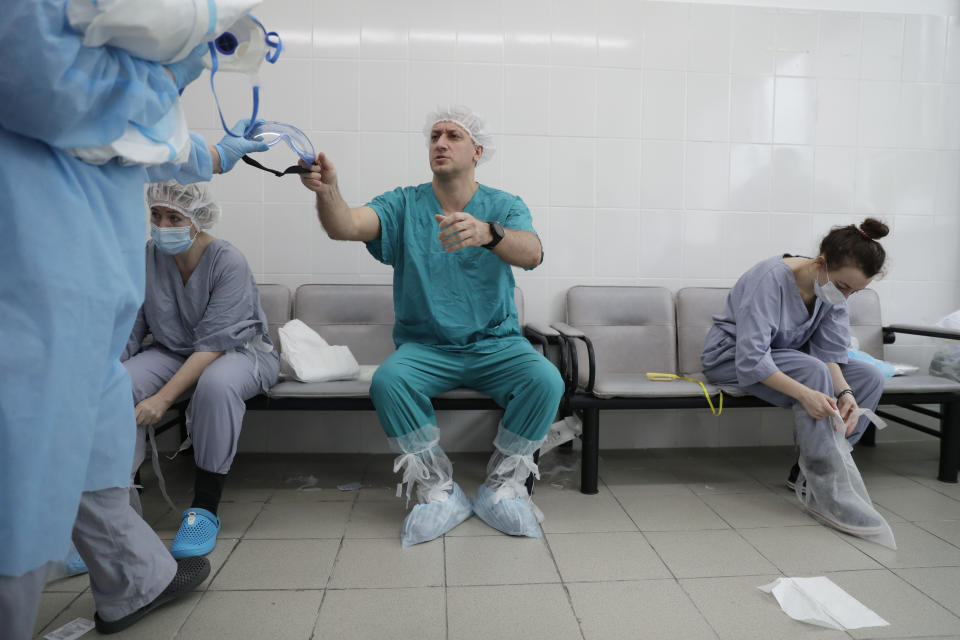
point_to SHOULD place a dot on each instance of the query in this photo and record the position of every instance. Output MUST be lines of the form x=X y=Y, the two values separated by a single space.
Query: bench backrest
x=275 y=300
x=360 y=316
x=696 y=307
x=865 y=324
x=357 y=315
x=633 y=329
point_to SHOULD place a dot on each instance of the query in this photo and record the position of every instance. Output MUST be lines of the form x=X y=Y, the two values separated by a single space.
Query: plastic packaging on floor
x=830 y=486
x=820 y=602
x=560 y=432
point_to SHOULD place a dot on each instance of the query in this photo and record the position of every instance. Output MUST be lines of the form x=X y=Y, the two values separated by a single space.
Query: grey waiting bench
x=615 y=335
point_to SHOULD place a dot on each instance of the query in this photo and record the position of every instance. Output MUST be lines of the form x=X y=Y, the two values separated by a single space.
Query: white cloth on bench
x=306 y=356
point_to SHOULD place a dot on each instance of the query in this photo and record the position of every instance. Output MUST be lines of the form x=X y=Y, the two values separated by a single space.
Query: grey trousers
x=865 y=381
x=129 y=565
x=217 y=405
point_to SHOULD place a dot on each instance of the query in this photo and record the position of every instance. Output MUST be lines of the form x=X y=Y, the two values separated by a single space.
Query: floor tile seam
x=935 y=535
x=573 y=611
x=276 y=539
x=620 y=580
x=256 y=516
x=696 y=606
x=336 y=560
x=193 y=609
x=503 y=584
x=846 y=539
x=934 y=488
x=642 y=533
x=270 y=589
x=924 y=594
x=62 y=610
x=592 y=531
x=894 y=512
x=214 y=575
x=917 y=587
x=316 y=620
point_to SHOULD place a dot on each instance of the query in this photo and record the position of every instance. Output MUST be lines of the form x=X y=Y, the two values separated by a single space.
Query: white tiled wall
x=666 y=143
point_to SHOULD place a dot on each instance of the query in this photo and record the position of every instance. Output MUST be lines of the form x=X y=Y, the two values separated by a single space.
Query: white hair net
x=474 y=124
x=192 y=200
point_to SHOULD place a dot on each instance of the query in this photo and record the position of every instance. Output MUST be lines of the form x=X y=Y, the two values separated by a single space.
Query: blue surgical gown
x=764 y=311
x=71 y=271
x=461 y=300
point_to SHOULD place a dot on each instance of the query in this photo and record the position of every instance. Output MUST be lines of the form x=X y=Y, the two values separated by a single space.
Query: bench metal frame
x=585 y=403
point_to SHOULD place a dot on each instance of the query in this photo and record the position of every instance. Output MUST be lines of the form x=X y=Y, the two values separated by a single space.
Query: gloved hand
x=187 y=70
x=231 y=148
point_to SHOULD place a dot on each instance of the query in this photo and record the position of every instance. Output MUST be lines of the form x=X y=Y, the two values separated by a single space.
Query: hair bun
x=874 y=228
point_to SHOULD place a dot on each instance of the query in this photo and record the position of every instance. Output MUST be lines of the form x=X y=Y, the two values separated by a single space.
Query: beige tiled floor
x=673 y=546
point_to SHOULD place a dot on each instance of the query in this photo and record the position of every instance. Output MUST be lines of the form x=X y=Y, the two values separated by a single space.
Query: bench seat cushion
x=636 y=385
x=920 y=384
x=348 y=389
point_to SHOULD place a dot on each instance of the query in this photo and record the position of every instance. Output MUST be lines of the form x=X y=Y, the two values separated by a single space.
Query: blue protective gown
x=71 y=271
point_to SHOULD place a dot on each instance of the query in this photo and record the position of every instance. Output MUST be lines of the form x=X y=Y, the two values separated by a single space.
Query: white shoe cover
x=513 y=516
x=433 y=519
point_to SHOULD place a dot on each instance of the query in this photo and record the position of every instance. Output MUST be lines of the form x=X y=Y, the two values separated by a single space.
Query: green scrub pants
x=517 y=377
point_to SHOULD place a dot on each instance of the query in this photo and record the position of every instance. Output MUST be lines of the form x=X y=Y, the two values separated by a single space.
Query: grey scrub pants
x=129 y=565
x=865 y=381
x=218 y=403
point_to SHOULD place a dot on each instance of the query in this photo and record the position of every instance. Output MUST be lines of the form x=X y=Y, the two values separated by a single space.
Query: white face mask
x=828 y=293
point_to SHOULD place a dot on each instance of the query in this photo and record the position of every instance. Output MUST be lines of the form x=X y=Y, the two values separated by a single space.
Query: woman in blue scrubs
x=783 y=337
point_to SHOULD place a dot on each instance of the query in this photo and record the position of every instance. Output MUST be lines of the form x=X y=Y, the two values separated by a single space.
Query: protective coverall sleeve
x=831 y=338
x=197 y=168
x=68 y=95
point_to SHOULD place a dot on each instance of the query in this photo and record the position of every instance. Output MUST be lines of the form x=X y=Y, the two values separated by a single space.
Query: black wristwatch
x=845 y=392
x=497 y=231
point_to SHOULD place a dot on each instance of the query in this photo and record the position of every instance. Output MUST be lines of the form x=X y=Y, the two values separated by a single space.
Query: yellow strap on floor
x=673 y=376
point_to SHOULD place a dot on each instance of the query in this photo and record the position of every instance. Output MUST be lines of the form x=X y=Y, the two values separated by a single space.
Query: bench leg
x=949 y=441
x=589 y=465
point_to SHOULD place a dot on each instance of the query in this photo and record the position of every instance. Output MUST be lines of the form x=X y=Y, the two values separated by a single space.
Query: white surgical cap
x=474 y=124
x=192 y=200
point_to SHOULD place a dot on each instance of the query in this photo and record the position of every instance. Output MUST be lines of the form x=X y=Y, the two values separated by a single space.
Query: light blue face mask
x=171 y=240
x=828 y=293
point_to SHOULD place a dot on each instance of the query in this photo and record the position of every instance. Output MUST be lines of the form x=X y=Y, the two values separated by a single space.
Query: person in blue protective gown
x=210 y=343
x=783 y=337
x=451 y=243
x=71 y=280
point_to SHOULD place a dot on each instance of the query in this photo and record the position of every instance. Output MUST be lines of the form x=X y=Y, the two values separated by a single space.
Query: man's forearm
x=519 y=248
x=334 y=215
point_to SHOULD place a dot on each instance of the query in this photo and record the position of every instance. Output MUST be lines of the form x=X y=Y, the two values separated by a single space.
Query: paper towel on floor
x=821 y=602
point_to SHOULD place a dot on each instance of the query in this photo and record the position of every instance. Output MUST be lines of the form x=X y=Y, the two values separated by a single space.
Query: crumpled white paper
x=821 y=602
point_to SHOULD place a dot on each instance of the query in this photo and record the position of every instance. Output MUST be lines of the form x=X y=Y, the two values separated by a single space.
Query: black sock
x=207 y=488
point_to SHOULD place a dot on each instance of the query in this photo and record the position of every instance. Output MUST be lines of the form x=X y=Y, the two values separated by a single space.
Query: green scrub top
x=462 y=300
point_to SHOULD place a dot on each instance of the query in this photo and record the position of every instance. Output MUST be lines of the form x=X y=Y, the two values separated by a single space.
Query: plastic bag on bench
x=946 y=363
x=305 y=356
x=830 y=485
